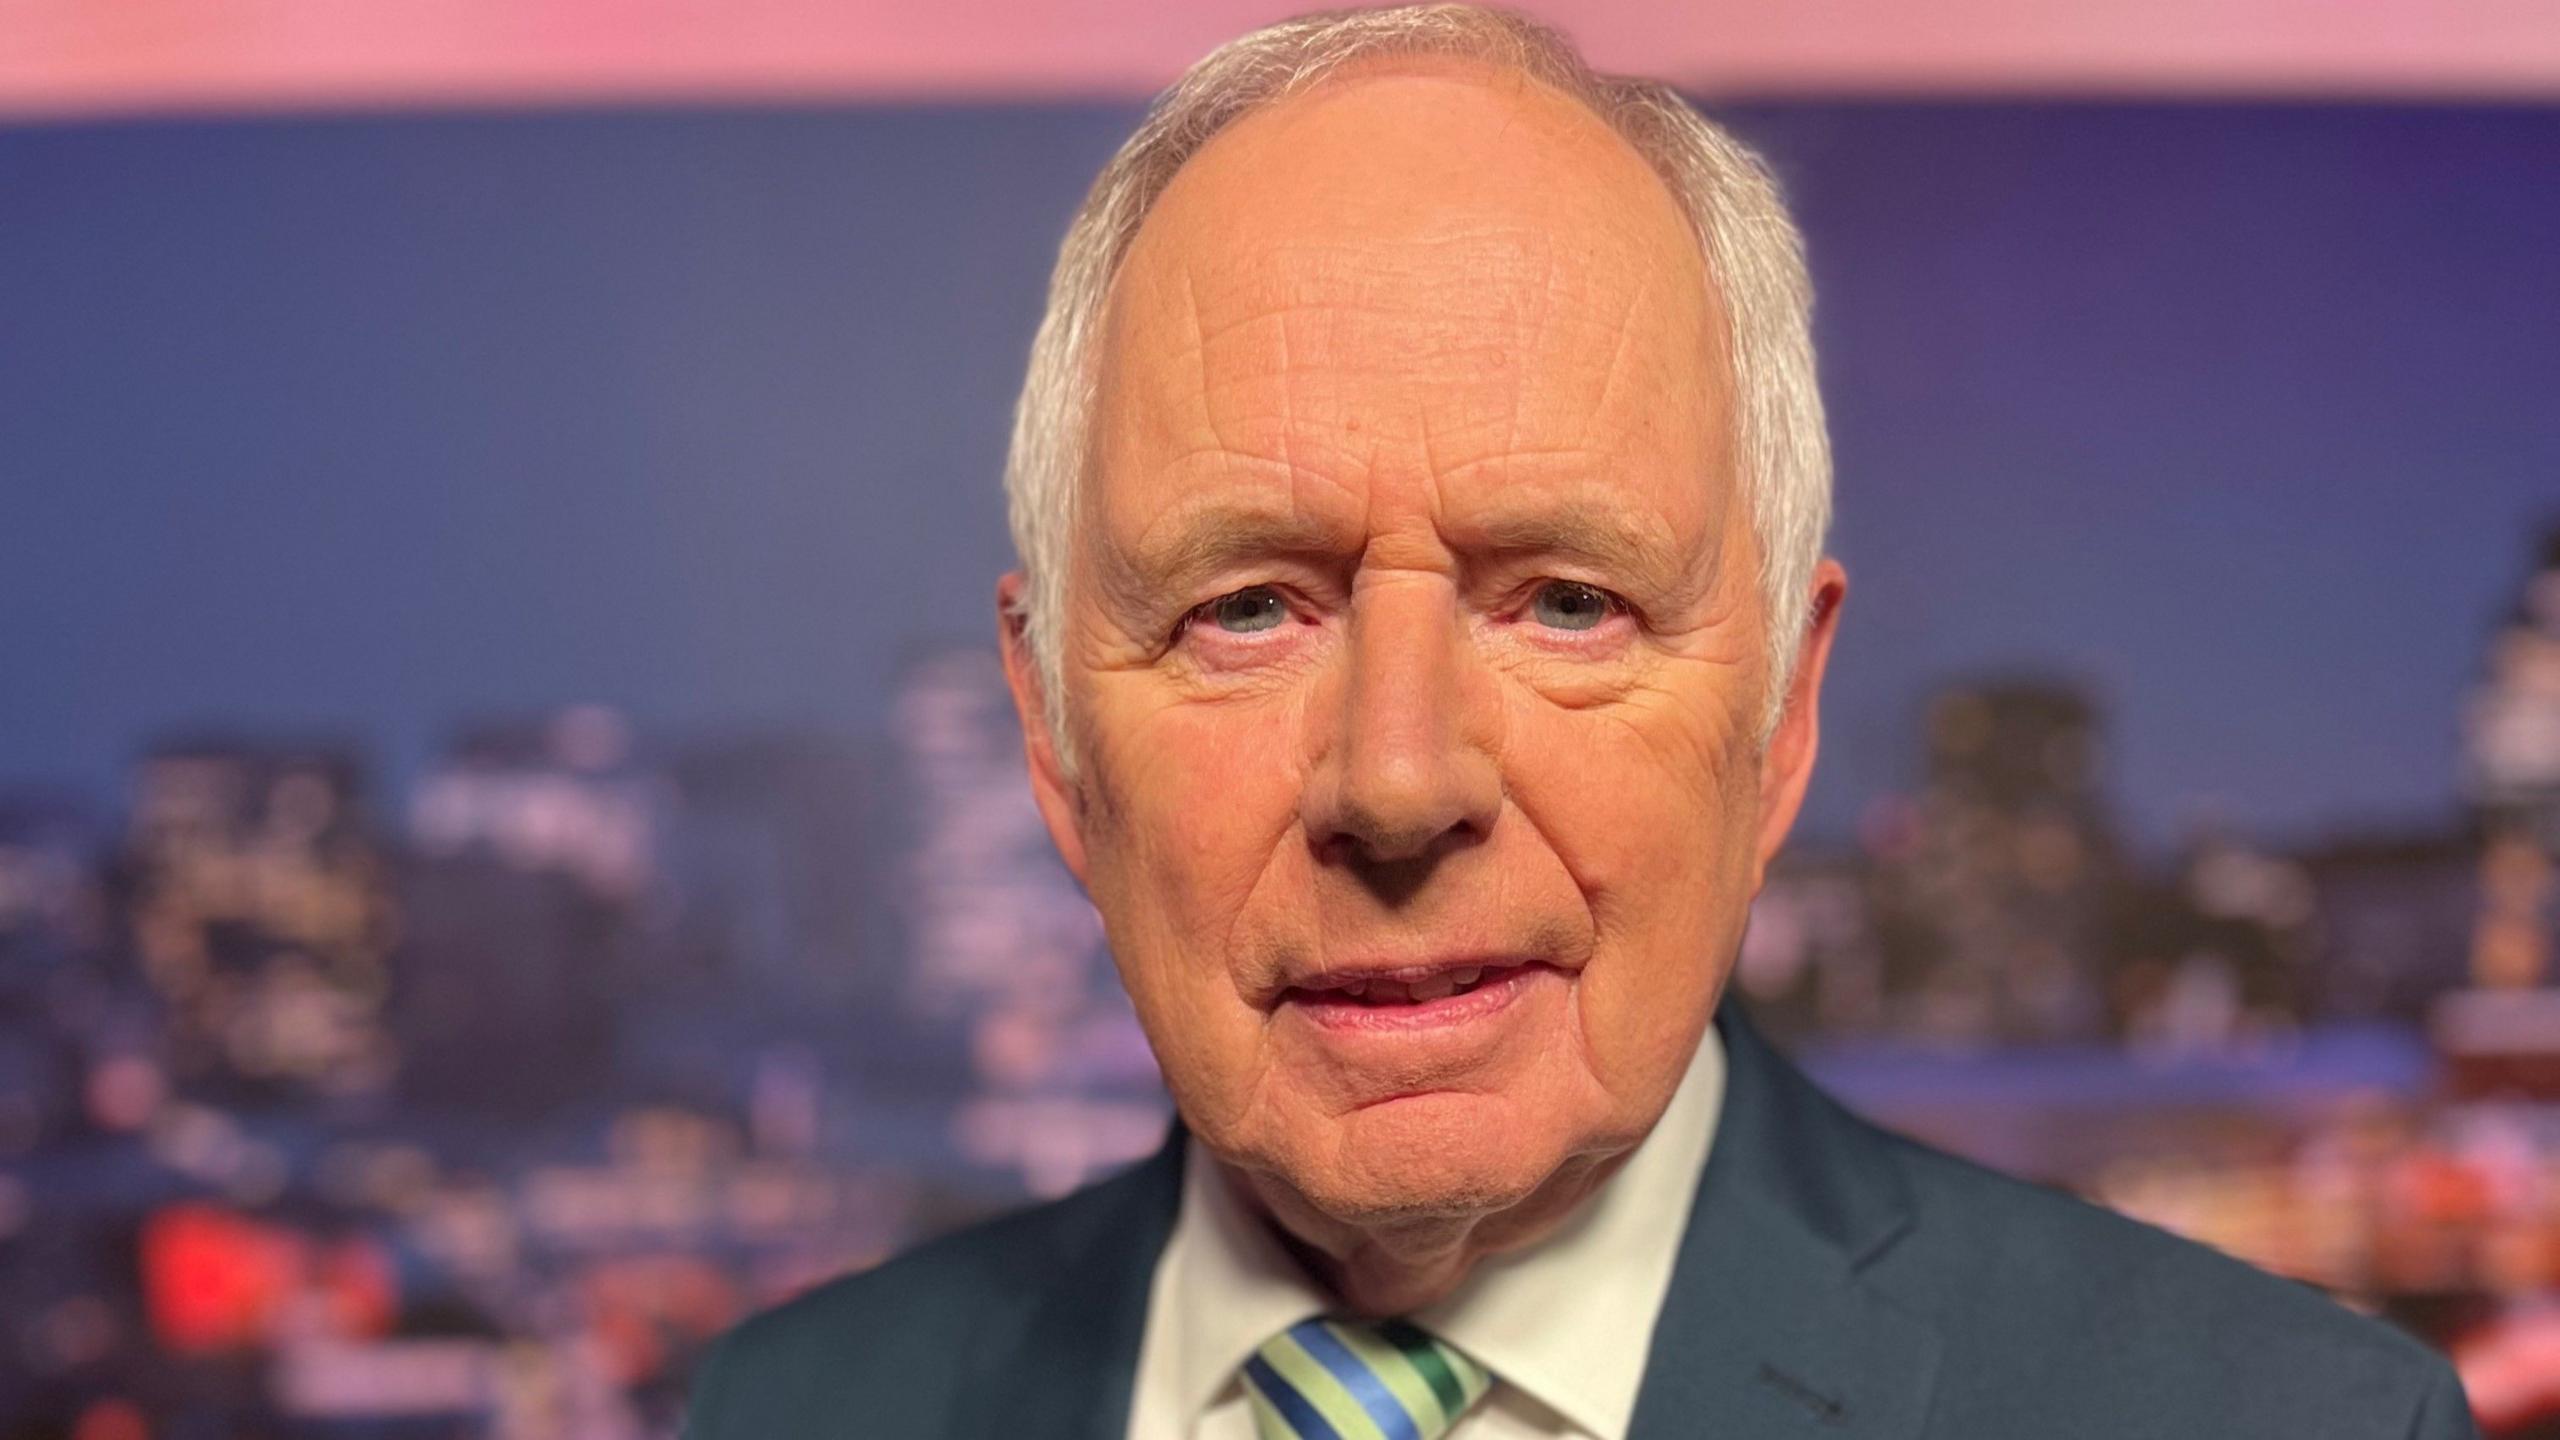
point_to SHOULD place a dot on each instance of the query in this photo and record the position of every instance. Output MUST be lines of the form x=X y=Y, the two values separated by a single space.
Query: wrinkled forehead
x=1432 y=270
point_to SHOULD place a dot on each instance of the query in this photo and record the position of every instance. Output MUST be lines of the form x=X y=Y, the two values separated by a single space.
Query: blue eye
x=1246 y=611
x=1570 y=605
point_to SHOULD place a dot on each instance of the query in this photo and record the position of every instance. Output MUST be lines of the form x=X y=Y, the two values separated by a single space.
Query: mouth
x=1414 y=995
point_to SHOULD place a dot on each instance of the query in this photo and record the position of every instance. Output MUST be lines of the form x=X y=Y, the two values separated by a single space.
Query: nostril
x=1407 y=817
x=1395 y=878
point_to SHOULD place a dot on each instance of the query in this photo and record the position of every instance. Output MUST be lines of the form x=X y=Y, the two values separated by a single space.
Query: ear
x=1787 y=765
x=1060 y=808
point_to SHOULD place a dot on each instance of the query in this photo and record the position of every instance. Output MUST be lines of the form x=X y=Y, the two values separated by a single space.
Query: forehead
x=1441 y=283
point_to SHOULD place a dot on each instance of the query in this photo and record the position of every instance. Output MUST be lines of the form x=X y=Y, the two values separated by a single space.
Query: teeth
x=1379 y=990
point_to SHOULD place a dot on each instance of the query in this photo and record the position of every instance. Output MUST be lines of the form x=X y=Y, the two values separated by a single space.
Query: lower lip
x=1491 y=995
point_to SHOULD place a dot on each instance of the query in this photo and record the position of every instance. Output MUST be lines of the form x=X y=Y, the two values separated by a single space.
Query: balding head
x=1744 y=237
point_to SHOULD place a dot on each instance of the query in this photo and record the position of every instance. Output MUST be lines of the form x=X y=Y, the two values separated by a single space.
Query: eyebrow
x=1200 y=540
x=1205 y=539
x=1608 y=540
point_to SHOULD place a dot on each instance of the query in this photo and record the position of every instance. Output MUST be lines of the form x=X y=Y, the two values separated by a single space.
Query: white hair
x=1753 y=254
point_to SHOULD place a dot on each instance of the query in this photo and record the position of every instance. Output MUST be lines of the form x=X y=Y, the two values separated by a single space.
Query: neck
x=1400 y=1265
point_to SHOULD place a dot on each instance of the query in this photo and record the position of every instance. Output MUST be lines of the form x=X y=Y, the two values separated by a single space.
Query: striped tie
x=1352 y=1380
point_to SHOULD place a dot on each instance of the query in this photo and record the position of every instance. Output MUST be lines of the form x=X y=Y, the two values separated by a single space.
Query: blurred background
x=512 y=842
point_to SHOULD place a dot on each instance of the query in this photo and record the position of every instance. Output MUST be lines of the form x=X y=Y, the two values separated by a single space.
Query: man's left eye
x=1570 y=605
x=1256 y=608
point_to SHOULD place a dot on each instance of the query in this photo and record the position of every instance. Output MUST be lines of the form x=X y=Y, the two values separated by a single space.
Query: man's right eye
x=1257 y=607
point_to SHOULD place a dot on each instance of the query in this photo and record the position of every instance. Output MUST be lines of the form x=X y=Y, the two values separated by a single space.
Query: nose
x=1405 y=771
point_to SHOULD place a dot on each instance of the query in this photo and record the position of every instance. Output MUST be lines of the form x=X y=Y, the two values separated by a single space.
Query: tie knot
x=1341 y=1379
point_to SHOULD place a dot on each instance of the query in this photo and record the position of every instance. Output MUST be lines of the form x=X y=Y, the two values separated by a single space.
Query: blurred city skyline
x=357 y=428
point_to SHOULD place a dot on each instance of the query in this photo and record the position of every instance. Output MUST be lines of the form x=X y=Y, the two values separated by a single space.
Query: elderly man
x=1420 y=487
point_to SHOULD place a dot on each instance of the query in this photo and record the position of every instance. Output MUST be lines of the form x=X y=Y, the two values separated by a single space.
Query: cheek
x=1193 y=807
x=1648 y=803
x=1638 y=796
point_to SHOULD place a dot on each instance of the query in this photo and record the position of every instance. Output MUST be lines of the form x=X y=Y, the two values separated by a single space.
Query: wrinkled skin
x=1407 y=352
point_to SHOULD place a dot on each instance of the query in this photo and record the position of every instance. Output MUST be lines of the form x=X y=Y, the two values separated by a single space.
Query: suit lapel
x=1063 y=1364
x=1768 y=1331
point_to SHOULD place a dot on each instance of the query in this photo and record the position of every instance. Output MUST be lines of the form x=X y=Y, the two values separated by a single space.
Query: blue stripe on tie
x=1359 y=1379
x=1284 y=1397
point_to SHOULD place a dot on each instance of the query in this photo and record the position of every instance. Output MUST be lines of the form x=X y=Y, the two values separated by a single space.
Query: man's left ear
x=1786 y=767
x=1050 y=787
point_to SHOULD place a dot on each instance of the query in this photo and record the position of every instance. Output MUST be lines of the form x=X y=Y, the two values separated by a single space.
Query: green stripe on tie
x=1335 y=1378
x=1432 y=1361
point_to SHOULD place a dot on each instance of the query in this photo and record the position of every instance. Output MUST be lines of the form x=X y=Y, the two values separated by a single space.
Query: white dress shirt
x=1564 y=1326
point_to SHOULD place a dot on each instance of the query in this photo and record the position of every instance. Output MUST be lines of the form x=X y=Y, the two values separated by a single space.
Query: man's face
x=1414 y=646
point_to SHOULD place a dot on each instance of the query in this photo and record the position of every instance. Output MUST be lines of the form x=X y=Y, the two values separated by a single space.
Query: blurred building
x=1814 y=957
x=559 y=794
x=52 y=919
x=258 y=904
x=1995 y=904
x=771 y=846
x=2216 y=955
x=1003 y=943
x=534 y=850
x=2011 y=868
x=2501 y=1036
x=48 y=861
x=768 y=973
x=2392 y=921
x=2511 y=749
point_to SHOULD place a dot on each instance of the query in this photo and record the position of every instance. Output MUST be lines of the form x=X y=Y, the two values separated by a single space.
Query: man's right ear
x=1050 y=787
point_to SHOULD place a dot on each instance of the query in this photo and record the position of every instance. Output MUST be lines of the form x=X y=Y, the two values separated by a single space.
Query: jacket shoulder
x=2097 y=1324
x=890 y=1343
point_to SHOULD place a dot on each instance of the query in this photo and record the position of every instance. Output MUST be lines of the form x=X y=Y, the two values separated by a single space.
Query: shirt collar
x=1569 y=1322
x=1229 y=1284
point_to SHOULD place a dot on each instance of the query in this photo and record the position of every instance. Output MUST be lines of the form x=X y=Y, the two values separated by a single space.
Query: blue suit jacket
x=1836 y=1283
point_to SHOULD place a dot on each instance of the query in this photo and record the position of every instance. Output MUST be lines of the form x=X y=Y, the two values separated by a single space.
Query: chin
x=1426 y=1157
